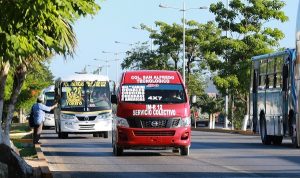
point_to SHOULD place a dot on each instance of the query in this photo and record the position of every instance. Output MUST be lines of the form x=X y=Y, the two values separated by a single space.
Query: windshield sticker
x=154 y=110
x=73 y=83
x=74 y=96
x=133 y=93
x=152 y=78
x=155 y=98
x=96 y=83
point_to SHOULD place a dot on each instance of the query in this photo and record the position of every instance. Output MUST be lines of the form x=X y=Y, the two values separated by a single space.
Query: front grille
x=86 y=118
x=86 y=127
x=159 y=123
x=154 y=133
x=153 y=122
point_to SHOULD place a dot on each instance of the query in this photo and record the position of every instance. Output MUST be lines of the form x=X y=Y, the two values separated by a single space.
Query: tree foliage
x=30 y=32
x=249 y=35
x=246 y=23
x=140 y=57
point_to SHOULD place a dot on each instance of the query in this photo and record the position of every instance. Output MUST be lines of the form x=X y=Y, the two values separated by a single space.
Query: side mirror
x=113 y=99
x=193 y=99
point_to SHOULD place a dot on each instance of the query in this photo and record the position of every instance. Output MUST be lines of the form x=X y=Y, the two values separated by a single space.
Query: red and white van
x=153 y=112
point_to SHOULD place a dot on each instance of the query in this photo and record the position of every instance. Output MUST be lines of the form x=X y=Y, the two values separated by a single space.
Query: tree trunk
x=175 y=64
x=4 y=68
x=19 y=77
x=188 y=70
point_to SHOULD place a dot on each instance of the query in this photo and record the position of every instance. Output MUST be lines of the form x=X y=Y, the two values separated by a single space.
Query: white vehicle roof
x=85 y=77
x=48 y=89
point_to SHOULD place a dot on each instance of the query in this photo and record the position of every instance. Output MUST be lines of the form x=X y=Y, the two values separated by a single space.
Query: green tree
x=247 y=25
x=31 y=31
x=141 y=57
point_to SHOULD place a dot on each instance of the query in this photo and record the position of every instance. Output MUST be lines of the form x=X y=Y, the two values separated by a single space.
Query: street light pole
x=116 y=59
x=226 y=96
x=183 y=37
x=183 y=45
x=151 y=40
x=106 y=64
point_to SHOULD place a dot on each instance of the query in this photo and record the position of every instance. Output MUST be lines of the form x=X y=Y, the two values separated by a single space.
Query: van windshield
x=49 y=95
x=85 y=96
x=153 y=93
x=49 y=102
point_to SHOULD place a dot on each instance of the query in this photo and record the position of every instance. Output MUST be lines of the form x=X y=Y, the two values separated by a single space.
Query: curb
x=43 y=165
x=247 y=132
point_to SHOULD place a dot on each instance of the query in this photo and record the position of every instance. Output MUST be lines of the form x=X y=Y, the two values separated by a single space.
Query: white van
x=84 y=105
x=48 y=95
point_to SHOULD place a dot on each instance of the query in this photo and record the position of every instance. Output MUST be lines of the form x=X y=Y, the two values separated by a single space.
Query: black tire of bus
x=294 y=123
x=118 y=151
x=277 y=140
x=184 y=151
x=266 y=139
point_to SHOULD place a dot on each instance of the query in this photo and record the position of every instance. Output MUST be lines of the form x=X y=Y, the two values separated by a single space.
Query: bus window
x=278 y=73
x=270 y=73
x=262 y=75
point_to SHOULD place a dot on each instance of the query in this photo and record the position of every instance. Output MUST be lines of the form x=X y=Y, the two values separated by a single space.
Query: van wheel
x=185 y=151
x=59 y=132
x=105 y=134
x=277 y=140
x=96 y=135
x=118 y=151
x=64 y=135
x=59 y=135
x=266 y=139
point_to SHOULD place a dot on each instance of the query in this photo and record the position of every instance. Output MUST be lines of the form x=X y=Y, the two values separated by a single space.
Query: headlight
x=185 y=122
x=67 y=116
x=104 y=116
x=121 y=122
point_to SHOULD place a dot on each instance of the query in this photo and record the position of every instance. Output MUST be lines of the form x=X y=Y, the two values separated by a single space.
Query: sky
x=115 y=20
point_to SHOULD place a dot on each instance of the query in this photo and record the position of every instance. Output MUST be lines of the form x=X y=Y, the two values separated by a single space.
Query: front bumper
x=129 y=138
x=75 y=126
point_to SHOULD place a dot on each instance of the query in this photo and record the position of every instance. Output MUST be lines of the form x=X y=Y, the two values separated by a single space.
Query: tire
x=277 y=140
x=295 y=130
x=59 y=135
x=96 y=135
x=185 y=151
x=117 y=151
x=265 y=138
x=64 y=135
x=105 y=134
x=59 y=132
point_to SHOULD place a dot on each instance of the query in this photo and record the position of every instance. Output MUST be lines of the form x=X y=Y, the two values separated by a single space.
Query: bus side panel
x=274 y=112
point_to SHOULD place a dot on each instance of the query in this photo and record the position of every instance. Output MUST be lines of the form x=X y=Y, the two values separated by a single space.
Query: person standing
x=38 y=110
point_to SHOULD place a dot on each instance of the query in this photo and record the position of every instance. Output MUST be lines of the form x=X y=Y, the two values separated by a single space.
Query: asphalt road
x=211 y=155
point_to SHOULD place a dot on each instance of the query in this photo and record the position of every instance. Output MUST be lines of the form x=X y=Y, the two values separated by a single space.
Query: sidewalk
x=223 y=130
x=40 y=164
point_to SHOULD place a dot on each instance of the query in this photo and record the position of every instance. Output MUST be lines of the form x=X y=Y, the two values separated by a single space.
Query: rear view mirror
x=113 y=99
x=193 y=99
